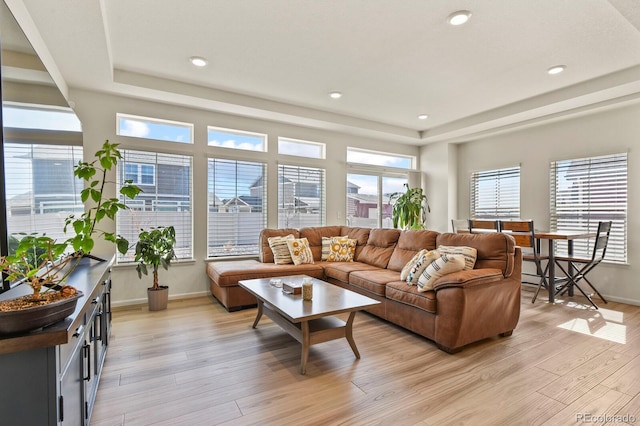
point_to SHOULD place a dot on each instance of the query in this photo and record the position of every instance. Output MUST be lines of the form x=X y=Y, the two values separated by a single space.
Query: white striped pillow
x=280 y=249
x=446 y=264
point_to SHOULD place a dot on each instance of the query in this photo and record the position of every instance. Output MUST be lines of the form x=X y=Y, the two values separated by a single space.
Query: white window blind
x=301 y=197
x=586 y=191
x=41 y=188
x=168 y=201
x=237 y=205
x=495 y=194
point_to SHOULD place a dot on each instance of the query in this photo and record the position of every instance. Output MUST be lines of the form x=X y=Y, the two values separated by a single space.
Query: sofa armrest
x=469 y=278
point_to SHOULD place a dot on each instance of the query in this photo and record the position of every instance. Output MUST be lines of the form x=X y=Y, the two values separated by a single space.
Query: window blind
x=41 y=189
x=301 y=196
x=237 y=206
x=495 y=194
x=166 y=180
x=586 y=191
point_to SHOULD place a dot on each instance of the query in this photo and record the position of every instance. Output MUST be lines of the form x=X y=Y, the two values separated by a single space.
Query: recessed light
x=423 y=116
x=556 y=69
x=335 y=95
x=458 y=18
x=198 y=61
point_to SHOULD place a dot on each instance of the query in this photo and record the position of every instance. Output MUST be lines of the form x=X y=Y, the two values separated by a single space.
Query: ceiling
x=392 y=60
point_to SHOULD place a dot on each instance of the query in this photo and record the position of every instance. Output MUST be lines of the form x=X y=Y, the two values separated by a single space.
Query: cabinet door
x=71 y=399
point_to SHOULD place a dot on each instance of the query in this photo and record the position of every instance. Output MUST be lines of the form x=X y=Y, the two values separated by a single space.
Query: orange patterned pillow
x=300 y=251
x=341 y=249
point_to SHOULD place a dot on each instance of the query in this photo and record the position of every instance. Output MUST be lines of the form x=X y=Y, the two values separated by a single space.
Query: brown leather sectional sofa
x=463 y=307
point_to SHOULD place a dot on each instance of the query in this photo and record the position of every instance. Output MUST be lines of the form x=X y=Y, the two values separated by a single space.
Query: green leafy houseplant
x=409 y=209
x=154 y=249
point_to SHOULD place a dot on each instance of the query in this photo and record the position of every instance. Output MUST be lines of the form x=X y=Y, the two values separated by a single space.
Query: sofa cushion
x=341 y=249
x=404 y=273
x=409 y=243
x=373 y=280
x=468 y=253
x=266 y=255
x=315 y=234
x=341 y=270
x=421 y=264
x=299 y=251
x=280 y=248
x=360 y=234
x=228 y=273
x=446 y=264
x=399 y=291
x=379 y=247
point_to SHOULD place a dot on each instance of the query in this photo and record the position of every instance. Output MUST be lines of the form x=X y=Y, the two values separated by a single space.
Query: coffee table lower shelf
x=311 y=332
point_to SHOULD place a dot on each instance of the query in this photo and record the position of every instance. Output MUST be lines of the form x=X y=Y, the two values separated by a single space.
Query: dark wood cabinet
x=50 y=376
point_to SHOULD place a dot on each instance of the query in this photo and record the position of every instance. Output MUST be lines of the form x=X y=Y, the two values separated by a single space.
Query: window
x=495 y=194
x=237 y=204
x=588 y=190
x=301 y=148
x=166 y=201
x=236 y=139
x=154 y=128
x=301 y=197
x=368 y=199
x=30 y=116
x=376 y=158
x=140 y=174
x=40 y=187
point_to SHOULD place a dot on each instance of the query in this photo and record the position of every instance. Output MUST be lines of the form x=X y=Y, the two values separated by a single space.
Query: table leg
x=552 y=272
x=570 y=265
x=349 y=334
x=304 y=326
x=259 y=315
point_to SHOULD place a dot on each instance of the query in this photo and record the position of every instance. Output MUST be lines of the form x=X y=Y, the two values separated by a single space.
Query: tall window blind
x=41 y=189
x=237 y=205
x=301 y=197
x=588 y=190
x=166 y=200
x=495 y=194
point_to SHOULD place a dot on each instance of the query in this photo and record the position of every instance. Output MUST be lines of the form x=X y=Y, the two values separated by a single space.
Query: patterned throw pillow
x=280 y=249
x=420 y=265
x=341 y=249
x=326 y=247
x=300 y=251
x=446 y=264
x=470 y=254
x=405 y=270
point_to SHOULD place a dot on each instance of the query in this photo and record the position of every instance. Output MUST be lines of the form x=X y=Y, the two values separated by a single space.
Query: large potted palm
x=154 y=249
x=409 y=208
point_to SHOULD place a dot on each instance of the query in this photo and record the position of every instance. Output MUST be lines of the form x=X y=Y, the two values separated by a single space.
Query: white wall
x=607 y=132
x=97 y=112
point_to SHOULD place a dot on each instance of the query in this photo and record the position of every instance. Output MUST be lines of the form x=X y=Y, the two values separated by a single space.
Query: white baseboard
x=143 y=301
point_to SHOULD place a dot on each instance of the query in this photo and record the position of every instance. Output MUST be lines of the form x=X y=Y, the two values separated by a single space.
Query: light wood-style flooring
x=197 y=364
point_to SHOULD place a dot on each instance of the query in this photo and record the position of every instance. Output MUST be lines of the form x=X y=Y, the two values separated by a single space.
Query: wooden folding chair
x=483 y=225
x=523 y=231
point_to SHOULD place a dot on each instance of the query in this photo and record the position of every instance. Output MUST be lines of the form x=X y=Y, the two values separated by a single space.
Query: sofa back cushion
x=410 y=243
x=314 y=236
x=266 y=255
x=360 y=234
x=494 y=249
x=379 y=247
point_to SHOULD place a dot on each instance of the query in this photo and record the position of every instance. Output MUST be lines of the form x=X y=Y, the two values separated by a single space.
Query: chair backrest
x=602 y=239
x=522 y=231
x=483 y=225
x=459 y=226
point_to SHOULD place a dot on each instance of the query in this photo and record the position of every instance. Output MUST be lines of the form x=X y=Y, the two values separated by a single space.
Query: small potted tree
x=409 y=209
x=154 y=249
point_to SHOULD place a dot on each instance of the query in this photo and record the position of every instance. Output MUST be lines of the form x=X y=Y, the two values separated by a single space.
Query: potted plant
x=154 y=249
x=409 y=209
x=44 y=264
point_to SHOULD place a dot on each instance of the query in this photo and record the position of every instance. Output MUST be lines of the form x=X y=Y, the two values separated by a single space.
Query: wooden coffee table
x=309 y=322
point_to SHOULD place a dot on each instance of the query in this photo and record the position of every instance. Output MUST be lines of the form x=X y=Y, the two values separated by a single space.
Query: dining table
x=552 y=237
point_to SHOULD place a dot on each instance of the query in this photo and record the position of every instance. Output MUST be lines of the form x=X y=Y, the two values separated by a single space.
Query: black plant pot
x=29 y=319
